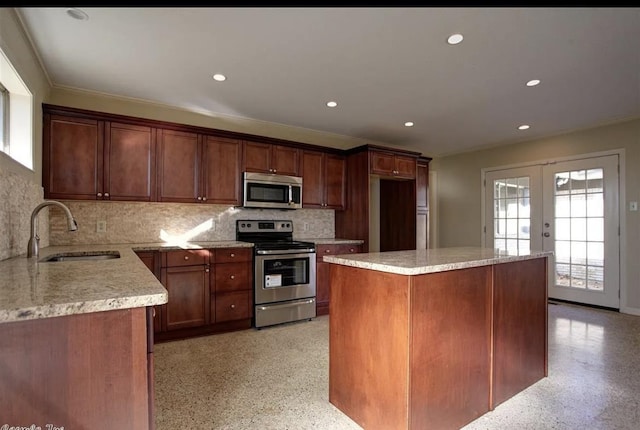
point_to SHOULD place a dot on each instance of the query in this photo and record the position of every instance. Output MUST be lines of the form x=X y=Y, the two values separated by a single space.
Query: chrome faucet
x=34 y=239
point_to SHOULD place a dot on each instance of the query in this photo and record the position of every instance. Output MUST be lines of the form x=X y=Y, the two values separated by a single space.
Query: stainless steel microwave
x=262 y=190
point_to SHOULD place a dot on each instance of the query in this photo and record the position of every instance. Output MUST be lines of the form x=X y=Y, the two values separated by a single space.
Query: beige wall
x=460 y=193
x=144 y=109
x=20 y=188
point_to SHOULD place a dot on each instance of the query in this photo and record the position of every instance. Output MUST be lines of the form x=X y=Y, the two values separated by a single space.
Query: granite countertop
x=32 y=289
x=335 y=241
x=431 y=260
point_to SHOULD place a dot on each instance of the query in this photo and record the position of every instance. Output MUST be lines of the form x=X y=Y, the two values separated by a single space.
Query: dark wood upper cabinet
x=96 y=160
x=323 y=180
x=390 y=164
x=129 y=162
x=222 y=179
x=268 y=158
x=178 y=166
x=72 y=157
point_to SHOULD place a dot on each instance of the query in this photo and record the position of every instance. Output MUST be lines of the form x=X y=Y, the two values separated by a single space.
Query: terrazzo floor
x=277 y=378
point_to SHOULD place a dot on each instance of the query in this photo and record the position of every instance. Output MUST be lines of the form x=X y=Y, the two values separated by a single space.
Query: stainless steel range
x=284 y=272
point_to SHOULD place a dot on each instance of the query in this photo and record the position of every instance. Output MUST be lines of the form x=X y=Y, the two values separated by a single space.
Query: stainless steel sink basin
x=81 y=256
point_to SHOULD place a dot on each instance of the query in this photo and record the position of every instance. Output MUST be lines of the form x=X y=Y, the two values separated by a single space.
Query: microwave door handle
x=290 y=195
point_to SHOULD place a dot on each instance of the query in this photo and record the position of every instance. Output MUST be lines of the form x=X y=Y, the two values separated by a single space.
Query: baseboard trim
x=630 y=311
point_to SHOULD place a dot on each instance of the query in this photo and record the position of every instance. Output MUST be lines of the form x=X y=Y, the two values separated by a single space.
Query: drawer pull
x=233 y=276
x=351 y=249
x=233 y=255
x=233 y=306
x=186 y=257
x=154 y=312
x=206 y=270
x=327 y=251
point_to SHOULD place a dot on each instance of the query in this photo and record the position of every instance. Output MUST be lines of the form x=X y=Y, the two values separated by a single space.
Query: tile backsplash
x=18 y=197
x=137 y=222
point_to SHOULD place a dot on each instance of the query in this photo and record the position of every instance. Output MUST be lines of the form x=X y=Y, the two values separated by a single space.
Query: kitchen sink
x=81 y=256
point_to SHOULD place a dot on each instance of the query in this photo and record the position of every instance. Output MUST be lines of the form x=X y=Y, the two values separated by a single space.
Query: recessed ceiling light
x=408 y=124
x=454 y=39
x=332 y=104
x=523 y=127
x=76 y=13
x=218 y=77
x=533 y=82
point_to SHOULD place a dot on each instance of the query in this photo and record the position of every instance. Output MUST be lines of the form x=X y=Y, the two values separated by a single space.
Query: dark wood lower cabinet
x=86 y=371
x=323 y=288
x=210 y=291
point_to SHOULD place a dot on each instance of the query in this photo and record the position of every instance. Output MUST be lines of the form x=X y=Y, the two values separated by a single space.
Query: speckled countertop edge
x=420 y=262
x=33 y=289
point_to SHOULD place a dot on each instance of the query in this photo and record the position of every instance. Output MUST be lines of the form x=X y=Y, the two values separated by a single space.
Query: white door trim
x=624 y=288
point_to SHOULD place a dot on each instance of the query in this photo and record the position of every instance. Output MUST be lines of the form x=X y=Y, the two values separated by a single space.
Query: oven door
x=284 y=277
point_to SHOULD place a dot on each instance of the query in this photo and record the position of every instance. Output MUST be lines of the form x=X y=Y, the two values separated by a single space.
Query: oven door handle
x=285 y=305
x=285 y=251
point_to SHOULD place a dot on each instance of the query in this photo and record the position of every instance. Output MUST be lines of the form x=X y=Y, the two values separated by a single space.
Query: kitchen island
x=434 y=338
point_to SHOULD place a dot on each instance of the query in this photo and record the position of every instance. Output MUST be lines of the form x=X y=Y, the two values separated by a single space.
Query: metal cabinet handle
x=233 y=276
x=206 y=270
x=232 y=255
x=327 y=251
x=204 y=199
x=186 y=257
x=99 y=194
x=233 y=306
x=275 y=171
x=106 y=194
x=351 y=250
x=153 y=313
x=199 y=198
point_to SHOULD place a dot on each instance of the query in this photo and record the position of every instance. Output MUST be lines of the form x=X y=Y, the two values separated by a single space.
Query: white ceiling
x=383 y=66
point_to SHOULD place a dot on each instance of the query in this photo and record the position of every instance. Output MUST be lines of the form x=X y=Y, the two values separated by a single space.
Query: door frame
x=622 y=203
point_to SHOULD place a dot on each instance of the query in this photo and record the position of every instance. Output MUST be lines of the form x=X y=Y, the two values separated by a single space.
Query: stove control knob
x=243 y=225
x=288 y=225
x=282 y=225
x=249 y=225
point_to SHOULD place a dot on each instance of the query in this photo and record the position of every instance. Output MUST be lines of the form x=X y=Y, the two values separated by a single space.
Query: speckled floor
x=277 y=378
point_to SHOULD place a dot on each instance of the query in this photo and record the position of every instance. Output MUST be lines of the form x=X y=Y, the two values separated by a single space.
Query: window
x=16 y=111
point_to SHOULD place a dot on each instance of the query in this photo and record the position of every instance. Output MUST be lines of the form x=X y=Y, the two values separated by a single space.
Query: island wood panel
x=520 y=327
x=450 y=348
x=86 y=371
x=369 y=345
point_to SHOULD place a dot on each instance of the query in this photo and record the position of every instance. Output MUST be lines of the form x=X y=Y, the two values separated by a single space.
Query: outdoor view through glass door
x=569 y=207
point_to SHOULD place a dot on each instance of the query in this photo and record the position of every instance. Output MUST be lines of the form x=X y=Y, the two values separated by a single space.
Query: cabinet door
x=335 y=178
x=257 y=157
x=221 y=170
x=178 y=166
x=382 y=163
x=188 y=290
x=72 y=157
x=312 y=180
x=285 y=160
x=129 y=163
x=422 y=182
x=405 y=166
x=233 y=306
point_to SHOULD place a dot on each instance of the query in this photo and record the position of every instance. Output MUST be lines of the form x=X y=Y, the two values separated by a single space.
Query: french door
x=569 y=207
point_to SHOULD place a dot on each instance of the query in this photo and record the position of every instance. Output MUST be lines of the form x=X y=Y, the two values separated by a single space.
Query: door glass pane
x=512 y=220
x=579 y=229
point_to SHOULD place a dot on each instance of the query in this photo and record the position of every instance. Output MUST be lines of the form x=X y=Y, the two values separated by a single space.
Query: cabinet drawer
x=185 y=257
x=233 y=277
x=233 y=306
x=232 y=255
x=336 y=249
